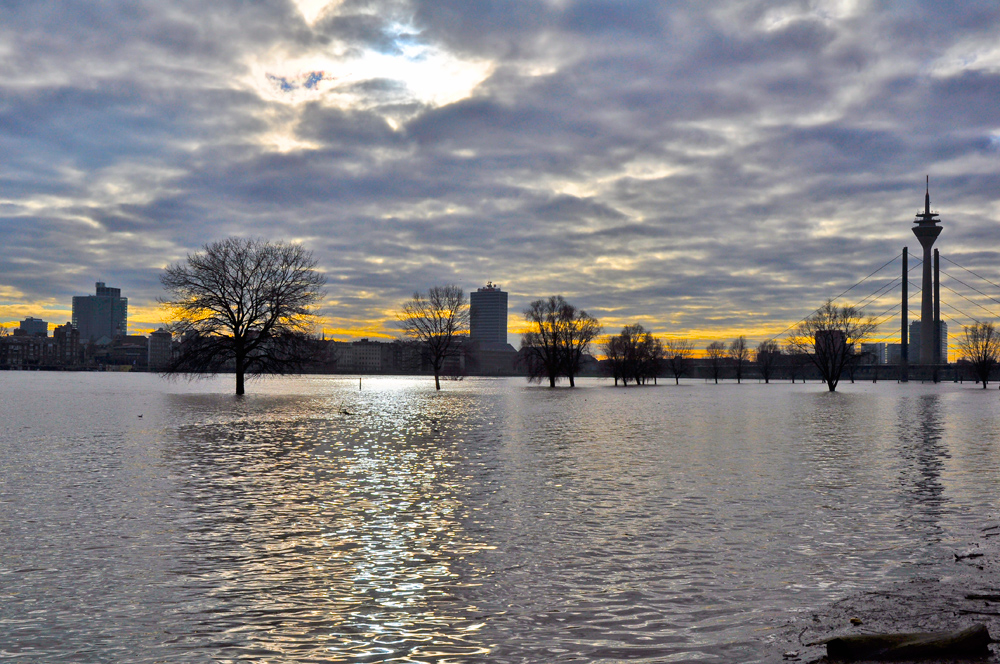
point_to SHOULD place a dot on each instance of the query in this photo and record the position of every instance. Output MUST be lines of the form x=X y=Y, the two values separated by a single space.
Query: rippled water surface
x=152 y=521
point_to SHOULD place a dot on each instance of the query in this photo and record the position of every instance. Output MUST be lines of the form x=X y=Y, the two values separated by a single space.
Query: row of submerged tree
x=249 y=305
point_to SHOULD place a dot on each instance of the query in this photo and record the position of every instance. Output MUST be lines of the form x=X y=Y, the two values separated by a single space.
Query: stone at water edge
x=971 y=642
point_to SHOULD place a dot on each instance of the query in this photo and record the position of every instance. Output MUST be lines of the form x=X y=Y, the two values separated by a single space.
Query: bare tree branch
x=435 y=320
x=557 y=339
x=766 y=357
x=716 y=352
x=739 y=353
x=678 y=353
x=829 y=339
x=245 y=305
x=981 y=347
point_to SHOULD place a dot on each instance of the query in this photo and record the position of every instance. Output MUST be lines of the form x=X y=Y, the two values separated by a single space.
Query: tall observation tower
x=927 y=230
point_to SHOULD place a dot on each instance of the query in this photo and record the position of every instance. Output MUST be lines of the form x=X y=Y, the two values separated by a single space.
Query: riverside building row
x=97 y=339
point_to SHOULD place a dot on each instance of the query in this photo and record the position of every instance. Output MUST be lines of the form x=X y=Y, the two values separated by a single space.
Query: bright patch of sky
x=978 y=55
x=312 y=9
x=415 y=72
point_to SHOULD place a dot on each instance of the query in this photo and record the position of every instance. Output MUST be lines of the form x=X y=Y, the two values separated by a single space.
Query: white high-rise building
x=488 y=315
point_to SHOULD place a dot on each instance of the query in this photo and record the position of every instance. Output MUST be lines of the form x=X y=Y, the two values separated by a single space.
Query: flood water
x=144 y=520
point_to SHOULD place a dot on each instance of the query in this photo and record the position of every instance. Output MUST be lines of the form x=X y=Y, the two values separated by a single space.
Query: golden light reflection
x=346 y=519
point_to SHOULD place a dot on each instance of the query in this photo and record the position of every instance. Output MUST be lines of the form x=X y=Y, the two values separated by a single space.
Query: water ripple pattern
x=315 y=522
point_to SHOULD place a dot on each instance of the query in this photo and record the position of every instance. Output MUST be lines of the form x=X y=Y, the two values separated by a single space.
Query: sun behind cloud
x=351 y=79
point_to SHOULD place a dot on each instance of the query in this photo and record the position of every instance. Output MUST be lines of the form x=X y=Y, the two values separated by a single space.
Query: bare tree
x=652 y=357
x=579 y=330
x=795 y=362
x=677 y=354
x=434 y=321
x=981 y=347
x=615 y=354
x=766 y=358
x=245 y=305
x=832 y=334
x=540 y=344
x=557 y=338
x=634 y=354
x=739 y=353
x=716 y=352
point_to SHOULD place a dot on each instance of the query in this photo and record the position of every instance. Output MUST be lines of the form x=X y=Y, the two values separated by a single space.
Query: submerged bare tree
x=634 y=354
x=579 y=330
x=677 y=358
x=981 y=347
x=766 y=358
x=615 y=354
x=243 y=305
x=434 y=321
x=829 y=338
x=716 y=353
x=739 y=353
x=557 y=338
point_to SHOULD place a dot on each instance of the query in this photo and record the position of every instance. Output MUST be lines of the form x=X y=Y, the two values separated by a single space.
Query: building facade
x=874 y=352
x=33 y=327
x=914 y=346
x=488 y=315
x=160 y=349
x=102 y=315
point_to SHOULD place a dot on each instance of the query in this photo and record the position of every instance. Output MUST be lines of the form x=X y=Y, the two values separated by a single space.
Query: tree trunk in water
x=571 y=382
x=239 y=375
x=552 y=381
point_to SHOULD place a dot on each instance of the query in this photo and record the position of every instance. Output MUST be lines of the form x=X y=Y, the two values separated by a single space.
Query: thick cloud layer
x=704 y=168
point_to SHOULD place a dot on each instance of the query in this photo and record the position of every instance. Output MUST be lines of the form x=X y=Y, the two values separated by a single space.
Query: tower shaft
x=927 y=230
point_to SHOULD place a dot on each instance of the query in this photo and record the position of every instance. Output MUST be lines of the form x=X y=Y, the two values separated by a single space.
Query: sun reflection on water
x=352 y=518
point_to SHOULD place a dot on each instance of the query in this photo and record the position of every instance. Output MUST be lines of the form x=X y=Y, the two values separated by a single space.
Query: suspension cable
x=968 y=286
x=971 y=272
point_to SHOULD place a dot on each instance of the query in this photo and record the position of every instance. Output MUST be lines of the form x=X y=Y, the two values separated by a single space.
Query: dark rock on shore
x=965 y=595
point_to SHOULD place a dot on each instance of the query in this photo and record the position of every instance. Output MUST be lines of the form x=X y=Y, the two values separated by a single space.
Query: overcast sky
x=705 y=168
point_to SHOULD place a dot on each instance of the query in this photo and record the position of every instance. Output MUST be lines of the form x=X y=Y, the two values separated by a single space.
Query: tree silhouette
x=558 y=336
x=634 y=354
x=981 y=347
x=739 y=353
x=716 y=352
x=831 y=334
x=434 y=321
x=244 y=305
x=677 y=357
x=766 y=357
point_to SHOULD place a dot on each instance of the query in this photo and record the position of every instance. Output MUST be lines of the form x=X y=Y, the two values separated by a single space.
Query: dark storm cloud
x=688 y=164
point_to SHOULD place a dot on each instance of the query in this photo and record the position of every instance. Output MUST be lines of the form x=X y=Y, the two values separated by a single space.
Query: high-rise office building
x=102 y=315
x=488 y=315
